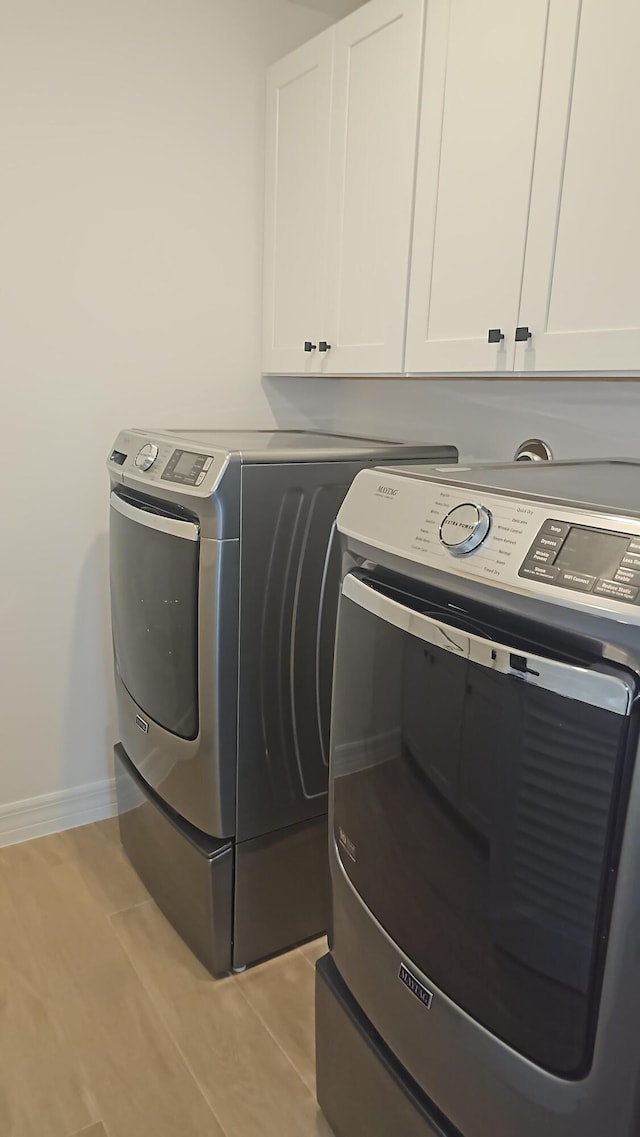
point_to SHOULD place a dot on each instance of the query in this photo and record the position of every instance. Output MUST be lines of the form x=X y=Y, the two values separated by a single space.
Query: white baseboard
x=51 y=813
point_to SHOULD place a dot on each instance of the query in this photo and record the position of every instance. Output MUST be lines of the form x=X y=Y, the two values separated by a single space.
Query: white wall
x=131 y=174
x=486 y=419
x=131 y=193
x=335 y=8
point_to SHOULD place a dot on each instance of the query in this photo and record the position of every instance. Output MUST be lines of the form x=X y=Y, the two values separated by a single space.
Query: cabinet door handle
x=308 y=346
x=495 y=335
x=324 y=346
x=522 y=335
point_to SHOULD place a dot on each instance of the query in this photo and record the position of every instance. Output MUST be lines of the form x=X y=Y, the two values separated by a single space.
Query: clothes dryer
x=224 y=582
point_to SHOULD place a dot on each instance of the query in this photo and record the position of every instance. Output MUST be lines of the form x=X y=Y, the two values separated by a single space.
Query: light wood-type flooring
x=109 y=1027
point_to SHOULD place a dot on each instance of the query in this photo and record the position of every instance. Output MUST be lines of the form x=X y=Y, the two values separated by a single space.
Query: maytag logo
x=144 y=726
x=347 y=844
x=386 y=491
x=422 y=993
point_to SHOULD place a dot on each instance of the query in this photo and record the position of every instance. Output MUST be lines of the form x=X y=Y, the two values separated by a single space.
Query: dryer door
x=474 y=791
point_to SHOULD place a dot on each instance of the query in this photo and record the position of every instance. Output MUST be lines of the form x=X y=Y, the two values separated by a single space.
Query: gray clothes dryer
x=483 y=976
x=224 y=584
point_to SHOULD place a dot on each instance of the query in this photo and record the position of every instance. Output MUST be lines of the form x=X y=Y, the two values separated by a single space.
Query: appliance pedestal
x=282 y=894
x=189 y=875
x=232 y=904
x=362 y=1089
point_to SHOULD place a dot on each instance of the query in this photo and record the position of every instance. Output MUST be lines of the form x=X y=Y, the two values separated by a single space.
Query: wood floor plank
x=97 y=1130
x=102 y=862
x=117 y=1020
x=109 y=828
x=42 y=850
x=313 y=950
x=96 y=850
x=41 y=1090
x=281 y=992
x=249 y=1081
x=128 y=1060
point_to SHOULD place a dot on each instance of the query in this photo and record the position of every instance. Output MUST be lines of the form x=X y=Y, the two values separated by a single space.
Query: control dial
x=464 y=528
x=146 y=456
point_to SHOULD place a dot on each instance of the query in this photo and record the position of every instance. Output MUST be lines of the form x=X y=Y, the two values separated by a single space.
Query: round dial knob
x=146 y=456
x=464 y=528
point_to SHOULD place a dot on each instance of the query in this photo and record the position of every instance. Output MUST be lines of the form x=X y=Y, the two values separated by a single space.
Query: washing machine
x=224 y=584
x=483 y=977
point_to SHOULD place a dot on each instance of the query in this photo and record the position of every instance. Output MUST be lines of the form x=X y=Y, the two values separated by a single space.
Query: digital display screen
x=597 y=554
x=185 y=462
x=186 y=468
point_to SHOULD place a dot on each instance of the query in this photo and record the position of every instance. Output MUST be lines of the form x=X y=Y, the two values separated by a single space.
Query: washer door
x=154 y=606
x=474 y=789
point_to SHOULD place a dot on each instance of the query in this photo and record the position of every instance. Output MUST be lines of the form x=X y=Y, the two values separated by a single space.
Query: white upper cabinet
x=342 y=118
x=376 y=85
x=581 y=286
x=500 y=234
x=482 y=74
x=298 y=115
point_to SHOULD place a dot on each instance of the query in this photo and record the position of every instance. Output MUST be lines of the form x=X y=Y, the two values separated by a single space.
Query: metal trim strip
x=187 y=530
x=573 y=682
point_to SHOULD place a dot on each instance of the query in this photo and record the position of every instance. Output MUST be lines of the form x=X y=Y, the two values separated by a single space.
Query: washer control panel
x=187 y=468
x=585 y=559
x=141 y=461
x=146 y=456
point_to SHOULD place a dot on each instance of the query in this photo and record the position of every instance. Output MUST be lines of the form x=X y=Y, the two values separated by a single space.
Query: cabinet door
x=377 y=60
x=298 y=115
x=482 y=74
x=581 y=291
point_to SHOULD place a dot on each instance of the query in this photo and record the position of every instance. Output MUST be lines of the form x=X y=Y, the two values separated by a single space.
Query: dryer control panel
x=585 y=559
x=565 y=555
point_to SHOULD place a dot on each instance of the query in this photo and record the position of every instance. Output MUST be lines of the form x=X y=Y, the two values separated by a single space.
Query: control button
x=464 y=528
x=200 y=478
x=546 y=541
x=539 y=572
x=543 y=556
x=578 y=580
x=634 y=545
x=627 y=576
x=631 y=561
x=146 y=456
x=555 y=529
x=207 y=463
x=615 y=591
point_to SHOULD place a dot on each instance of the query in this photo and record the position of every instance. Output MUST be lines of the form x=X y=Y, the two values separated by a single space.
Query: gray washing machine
x=484 y=978
x=224 y=584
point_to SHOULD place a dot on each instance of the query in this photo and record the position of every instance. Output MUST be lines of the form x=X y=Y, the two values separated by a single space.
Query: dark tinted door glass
x=154 y=582
x=473 y=815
